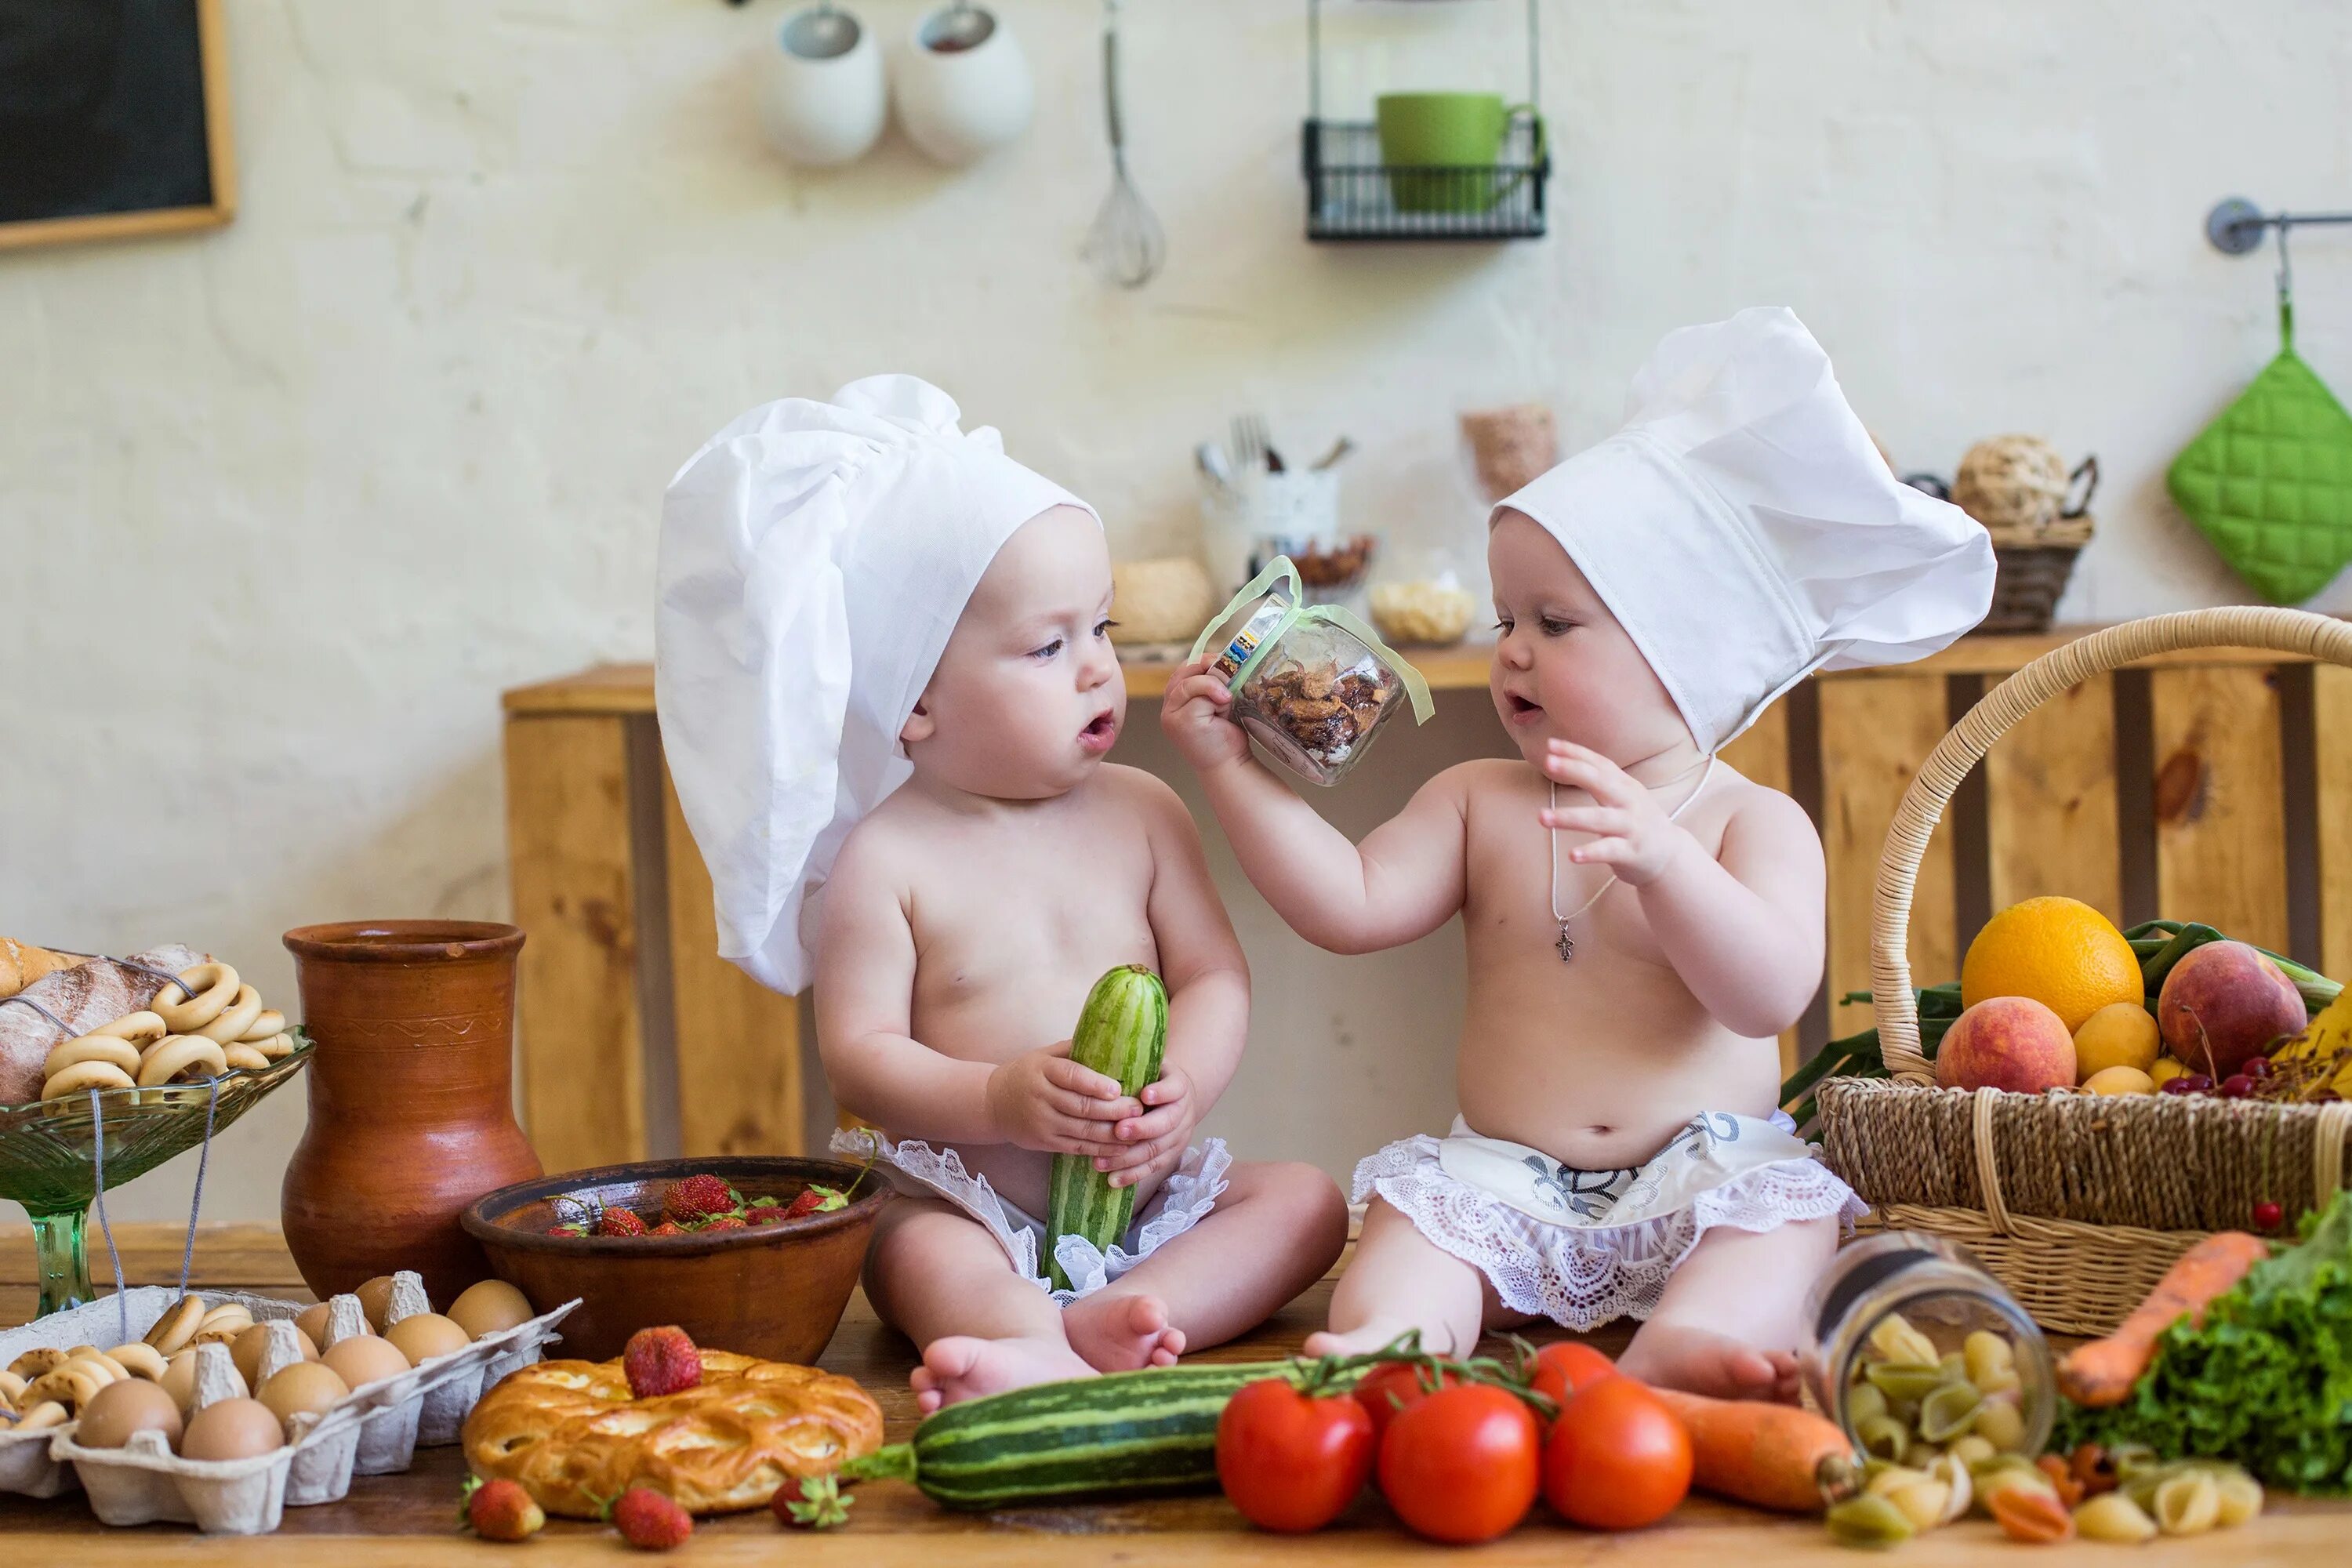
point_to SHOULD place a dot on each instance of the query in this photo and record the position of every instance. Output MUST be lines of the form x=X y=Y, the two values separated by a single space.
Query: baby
x=1640 y=920
x=885 y=672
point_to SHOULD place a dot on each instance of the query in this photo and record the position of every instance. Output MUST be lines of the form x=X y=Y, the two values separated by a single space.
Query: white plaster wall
x=286 y=506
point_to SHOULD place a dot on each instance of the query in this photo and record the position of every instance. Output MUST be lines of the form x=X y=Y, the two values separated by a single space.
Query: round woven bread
x=1165 y=600
x=2013 y=484
x=574 y=1437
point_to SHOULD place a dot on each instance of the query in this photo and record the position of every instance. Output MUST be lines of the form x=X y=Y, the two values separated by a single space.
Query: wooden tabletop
x=410 y=1519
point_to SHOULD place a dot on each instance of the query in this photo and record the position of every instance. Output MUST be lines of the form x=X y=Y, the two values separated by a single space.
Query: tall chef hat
x=814 y=556
x=1745 y=530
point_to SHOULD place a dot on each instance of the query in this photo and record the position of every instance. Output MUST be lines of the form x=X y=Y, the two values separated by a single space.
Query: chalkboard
x=113 y=118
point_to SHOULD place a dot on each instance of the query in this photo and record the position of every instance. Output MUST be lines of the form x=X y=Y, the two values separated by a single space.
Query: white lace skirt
x=1582 y=1247
x=917 y=1169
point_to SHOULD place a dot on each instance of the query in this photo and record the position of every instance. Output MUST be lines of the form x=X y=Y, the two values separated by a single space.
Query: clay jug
x=412 y=1102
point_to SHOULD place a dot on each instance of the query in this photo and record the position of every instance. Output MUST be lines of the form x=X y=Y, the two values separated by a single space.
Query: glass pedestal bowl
x=49 y=1156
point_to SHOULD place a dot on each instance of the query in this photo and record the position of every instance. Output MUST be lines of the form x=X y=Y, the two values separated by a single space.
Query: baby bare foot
x=959 y=1367
x=1121 y=1332
x=1701 y=1361
x=1375 y=1335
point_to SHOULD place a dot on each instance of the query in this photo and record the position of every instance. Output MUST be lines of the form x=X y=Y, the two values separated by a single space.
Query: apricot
x=2007 y=1042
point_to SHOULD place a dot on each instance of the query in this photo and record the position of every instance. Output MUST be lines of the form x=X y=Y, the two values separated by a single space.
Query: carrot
x=1772 y=1456
x=2102 y=1371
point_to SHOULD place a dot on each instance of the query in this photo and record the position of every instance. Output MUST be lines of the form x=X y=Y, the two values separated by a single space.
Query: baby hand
x=1193 y=716
x=1632 y=834
x=1155 y=1140
x=1043 y=1100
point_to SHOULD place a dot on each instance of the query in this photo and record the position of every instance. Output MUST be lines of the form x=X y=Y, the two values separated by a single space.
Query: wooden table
x=394 y=1521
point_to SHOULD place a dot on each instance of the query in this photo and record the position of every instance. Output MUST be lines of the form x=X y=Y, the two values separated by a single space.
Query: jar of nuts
x=1920 y=1353
x=1311 y=683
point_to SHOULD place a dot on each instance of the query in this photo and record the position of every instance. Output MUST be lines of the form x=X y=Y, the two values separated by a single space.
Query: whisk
x=1124 y=244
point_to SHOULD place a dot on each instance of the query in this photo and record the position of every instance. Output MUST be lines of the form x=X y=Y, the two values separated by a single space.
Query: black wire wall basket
x=1354 y=192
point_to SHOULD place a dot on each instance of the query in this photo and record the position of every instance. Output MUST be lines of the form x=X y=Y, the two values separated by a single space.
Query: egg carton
x=26 y=1469
x=143 y=1481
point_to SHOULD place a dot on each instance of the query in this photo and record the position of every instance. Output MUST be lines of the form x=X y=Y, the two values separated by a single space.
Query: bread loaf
x=21 y=965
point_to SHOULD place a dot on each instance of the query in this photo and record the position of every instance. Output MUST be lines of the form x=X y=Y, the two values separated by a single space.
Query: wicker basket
x=2077 y=1203
x=2032 y=566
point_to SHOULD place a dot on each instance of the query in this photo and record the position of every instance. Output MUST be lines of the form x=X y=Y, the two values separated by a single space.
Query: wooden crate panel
x=737 y=1043
x=568 y=840
x=1875 y=732
x=2051 y=804
x=2220 y=813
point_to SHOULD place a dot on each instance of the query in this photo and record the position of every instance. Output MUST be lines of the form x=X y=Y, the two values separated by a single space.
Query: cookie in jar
x=1312 y=684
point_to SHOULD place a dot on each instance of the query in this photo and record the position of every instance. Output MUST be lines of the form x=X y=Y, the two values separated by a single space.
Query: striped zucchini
x=1128 y=1434
x=1121 y=1033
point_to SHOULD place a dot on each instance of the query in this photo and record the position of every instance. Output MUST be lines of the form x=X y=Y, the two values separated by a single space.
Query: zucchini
x=1121 y=1033
x=1127 y=1434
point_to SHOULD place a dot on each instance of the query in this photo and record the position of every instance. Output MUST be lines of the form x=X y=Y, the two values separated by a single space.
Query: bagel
x=269 y=1021
x=227 y=1315
x=243 y=1058
x=138 y=1361
x=91 y=1049
x=48 y=1412
x=83 y=1076
x=73 y=1384
x=196 y=1007
x=177 y=1326
x=277 y=1048
x=12 y=1388
x=139 y=1028
x=33 y=1363
x=236 y=1018
x=176 y=1054
x=115 y=1371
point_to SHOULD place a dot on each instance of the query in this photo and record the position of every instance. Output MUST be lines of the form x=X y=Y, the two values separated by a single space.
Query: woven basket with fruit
x=2085 y=1103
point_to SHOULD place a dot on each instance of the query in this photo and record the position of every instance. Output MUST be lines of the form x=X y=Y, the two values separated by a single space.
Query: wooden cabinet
x=2212 y=785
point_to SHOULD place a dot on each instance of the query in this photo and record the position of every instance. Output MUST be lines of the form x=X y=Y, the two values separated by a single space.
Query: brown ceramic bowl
x=774 y=1291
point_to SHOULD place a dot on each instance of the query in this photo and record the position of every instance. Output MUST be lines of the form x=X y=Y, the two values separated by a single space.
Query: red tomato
x=1391 y=1386
x=1289 y=1460
x=1617 y=1457
x=1565 y=1369
x=1461 y=1465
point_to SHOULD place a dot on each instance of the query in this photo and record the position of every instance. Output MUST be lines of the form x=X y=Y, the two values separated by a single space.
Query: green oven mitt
x=2270 y=482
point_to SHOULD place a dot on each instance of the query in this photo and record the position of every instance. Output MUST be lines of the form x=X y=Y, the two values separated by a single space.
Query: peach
x=2007 y=1042
x=2224 y=1003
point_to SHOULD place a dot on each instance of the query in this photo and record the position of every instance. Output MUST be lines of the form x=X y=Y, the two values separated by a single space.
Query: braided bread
x=573 y=1435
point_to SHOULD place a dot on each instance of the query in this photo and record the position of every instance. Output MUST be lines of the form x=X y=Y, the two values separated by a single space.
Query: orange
x=2119 y=1034
x=2061 y=952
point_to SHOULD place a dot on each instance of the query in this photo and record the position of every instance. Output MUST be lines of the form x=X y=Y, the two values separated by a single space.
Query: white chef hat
x=814 y=557
x=1745 y=530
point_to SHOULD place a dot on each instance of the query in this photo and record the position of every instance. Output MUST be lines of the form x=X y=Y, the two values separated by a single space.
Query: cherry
x=2255 y=1067
x=2268 y=1215
x=2236 y=1086
x=2324 y=1097
x=2177 y=1084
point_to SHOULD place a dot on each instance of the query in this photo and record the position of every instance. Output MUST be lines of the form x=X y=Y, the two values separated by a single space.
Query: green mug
x=1440 y=148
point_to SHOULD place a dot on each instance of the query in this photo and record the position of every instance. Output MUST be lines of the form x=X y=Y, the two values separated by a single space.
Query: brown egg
x=363 y=1359
x=120 y=1409
x=313 y=1323
x=246 y=1350
x=489 y=1306
x=426 y=1335
x=306 y=1388
x=232 y=1430
x=179 y=1380
x=375 y=1300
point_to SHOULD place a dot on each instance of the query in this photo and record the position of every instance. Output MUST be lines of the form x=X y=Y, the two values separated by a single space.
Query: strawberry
x=667 y=1227
x=499 y=1510
x=650 y=1521
x=725 y=1222
x=698 y=1197
x=661 y=1360
x=772 y=1214
x=621 y=1221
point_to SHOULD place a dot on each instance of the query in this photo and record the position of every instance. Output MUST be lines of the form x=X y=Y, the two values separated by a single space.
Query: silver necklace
x=1567 y=945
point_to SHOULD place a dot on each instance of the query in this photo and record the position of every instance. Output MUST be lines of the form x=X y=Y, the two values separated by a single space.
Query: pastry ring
x=243 y=1058
x=83 y=1076
x=195 y=1008
x=141 y=1028
x=106 y=1049
x=235 y=1019
x=270 y=1023
x=175 y=1053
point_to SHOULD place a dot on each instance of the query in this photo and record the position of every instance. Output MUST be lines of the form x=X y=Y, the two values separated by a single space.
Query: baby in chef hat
x=1640 y=922
x=886 y=690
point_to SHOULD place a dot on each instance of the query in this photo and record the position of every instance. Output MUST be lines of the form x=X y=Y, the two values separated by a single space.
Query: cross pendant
x=1566 y=944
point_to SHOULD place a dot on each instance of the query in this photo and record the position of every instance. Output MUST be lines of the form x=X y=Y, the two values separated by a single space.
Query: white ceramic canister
x=963 y=87
x=822 y=97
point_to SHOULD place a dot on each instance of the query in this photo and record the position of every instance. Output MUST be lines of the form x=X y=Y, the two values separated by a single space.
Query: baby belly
x=1603 y=1107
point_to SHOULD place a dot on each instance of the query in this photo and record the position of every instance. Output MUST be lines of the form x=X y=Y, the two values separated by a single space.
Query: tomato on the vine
x=1565 y=1369
x=1393 y=1386
x=1463 y=1465
x=1291 y=1460
x=1617 y=1459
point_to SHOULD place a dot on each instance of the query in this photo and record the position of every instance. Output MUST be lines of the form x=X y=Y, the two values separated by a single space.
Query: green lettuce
x=2265 y=1380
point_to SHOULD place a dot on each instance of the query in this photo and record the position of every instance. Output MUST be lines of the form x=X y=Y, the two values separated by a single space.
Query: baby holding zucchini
x=1640 y=920
x=887 y=691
